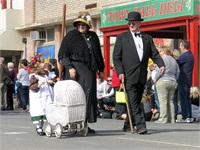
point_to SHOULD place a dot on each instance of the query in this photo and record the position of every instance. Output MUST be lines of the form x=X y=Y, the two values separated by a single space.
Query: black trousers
x=135 y=92
x=10 y=91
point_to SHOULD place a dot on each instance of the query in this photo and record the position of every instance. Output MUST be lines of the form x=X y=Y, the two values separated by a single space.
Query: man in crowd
x=186 y=65
x=4 y=73
x=131 y=54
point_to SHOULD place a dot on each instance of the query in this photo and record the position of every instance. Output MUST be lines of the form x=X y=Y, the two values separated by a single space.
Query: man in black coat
x=4 y=74
x=131 y=54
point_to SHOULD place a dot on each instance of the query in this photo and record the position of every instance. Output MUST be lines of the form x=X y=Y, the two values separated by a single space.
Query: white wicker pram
x=68 y=112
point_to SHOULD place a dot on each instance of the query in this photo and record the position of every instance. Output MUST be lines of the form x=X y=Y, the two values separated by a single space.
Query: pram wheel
x=73 y=129
x=58 y=130
x=48 y=130
x=84 y=129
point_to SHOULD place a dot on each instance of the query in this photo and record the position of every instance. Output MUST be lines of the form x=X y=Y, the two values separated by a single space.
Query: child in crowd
x=40 y=95
x=151 y=93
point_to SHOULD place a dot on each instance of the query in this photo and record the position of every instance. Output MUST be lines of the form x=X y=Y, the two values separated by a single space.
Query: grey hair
x=2 y=60
x=10 y=65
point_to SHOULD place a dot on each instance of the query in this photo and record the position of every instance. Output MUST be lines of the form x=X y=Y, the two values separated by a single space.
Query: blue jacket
x=186 y=65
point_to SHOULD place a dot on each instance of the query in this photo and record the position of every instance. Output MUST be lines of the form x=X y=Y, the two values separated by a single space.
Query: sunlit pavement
x=18 y=133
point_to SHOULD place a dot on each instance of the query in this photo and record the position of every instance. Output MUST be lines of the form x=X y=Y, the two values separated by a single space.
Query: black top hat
x=134 y=16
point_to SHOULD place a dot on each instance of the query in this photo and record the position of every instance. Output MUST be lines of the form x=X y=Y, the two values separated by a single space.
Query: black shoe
x=142 y=130
x=40 y=131
x=128 y=129
x=91 y=130
x=9 y=108
x=3 y=108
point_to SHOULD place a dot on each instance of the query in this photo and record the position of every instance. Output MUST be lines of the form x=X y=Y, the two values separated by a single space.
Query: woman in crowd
x=11 y=90
x=53 y=67
x=23 y=77
x=100 y=90
x=194 y=96
x=81 y=57
x=176 y=53
x=166 y=85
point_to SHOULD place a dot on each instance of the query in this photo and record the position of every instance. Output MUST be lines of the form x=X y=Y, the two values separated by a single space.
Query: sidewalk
x=18 y=133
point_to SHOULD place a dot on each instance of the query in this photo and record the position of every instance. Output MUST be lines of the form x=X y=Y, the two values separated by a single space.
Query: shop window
x=50 y=35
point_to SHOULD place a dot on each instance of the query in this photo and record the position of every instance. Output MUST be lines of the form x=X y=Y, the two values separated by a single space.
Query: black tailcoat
x=126 y=61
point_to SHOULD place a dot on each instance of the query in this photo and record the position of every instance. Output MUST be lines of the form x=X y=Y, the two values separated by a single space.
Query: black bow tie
x=137 y=34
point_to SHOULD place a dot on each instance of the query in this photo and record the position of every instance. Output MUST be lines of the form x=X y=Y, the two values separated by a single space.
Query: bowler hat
x=134 y=16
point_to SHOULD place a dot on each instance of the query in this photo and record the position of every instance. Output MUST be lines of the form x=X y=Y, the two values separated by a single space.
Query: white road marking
x=160 y=142
x=12 y=133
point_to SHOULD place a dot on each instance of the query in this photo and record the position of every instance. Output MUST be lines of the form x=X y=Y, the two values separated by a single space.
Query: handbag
x=8 y=81
x=18 y=84
x=120 y=96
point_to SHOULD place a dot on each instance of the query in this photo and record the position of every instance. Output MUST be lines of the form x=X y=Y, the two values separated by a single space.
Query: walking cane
x=127 y=106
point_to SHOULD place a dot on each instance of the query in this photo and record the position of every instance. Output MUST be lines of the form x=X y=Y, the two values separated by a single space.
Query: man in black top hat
x=131 y=54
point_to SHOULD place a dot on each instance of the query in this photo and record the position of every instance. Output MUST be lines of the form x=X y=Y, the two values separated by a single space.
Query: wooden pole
x=62 y=36
x=128 y=108
x=63 y=21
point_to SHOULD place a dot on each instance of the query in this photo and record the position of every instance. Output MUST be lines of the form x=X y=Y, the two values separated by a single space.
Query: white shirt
x=138 y=44
x=111 y=93
x=102 y=89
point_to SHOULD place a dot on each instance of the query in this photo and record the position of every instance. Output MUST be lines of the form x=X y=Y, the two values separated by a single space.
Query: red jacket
x=115 y=79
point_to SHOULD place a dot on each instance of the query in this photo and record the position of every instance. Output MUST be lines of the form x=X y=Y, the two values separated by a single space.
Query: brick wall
x=37 y=11
x=48 y=9
x=30 y=46
x=52 y=9
x=29 y=11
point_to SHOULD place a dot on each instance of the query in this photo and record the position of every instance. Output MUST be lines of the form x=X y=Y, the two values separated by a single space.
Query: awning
x=11 y=40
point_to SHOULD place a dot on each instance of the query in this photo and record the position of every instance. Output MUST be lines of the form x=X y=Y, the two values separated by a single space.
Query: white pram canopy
x=69 y=104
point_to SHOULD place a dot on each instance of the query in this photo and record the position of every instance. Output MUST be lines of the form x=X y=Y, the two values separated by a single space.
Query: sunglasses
x=132 y=23
x=109 y=80
x=81 y=24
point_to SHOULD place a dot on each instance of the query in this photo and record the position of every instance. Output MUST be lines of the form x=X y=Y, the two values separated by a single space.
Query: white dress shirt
x=138 y=44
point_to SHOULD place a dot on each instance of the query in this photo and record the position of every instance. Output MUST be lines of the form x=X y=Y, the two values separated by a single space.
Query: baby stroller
x=68 y=112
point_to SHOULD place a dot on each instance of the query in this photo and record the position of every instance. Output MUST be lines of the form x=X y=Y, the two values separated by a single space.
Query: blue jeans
x=24 y=93
x=175 y=102
x=156 y=99
x=184 y=94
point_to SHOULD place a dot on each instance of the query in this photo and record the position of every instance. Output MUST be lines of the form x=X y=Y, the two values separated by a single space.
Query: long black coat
x=126 y=59
x=74 y=53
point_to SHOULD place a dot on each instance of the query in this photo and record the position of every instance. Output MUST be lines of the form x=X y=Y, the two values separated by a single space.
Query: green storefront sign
x=150 y=10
